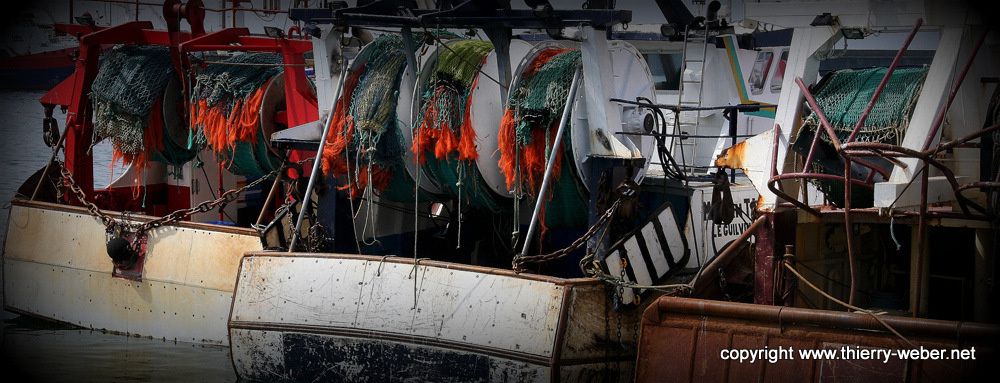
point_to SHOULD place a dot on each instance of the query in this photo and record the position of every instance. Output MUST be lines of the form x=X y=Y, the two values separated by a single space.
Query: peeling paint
x=732 y=157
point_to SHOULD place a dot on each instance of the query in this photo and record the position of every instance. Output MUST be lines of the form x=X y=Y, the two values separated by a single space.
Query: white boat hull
x=56 y=267
x=372 y=319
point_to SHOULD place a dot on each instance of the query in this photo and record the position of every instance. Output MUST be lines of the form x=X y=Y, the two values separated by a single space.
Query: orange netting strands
x=225 y=106
x=533 y=110
x=446 y=115
x=341 y=128
x=365 y=143
x=223 y=131
x=529 y=127
x=152 y=141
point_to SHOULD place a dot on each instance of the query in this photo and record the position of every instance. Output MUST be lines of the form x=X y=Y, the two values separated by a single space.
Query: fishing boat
x=155 y=253
x=430 y=294
x=899 y=259
x=196 y=196
x=481 y=191
x=33 y=56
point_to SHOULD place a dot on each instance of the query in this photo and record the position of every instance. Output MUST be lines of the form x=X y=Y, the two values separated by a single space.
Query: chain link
x=602 y=221
x=110 y=223
x=316 y=238
x=107 y=220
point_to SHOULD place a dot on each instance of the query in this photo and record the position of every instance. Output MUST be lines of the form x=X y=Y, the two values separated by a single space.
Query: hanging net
x=843 y=96
x=526 y=133
x=226 y=108
x=444 y=139
x=127 y=96
x=364 y=142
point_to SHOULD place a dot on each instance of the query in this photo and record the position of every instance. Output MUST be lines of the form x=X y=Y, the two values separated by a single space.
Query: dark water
x=36 y=350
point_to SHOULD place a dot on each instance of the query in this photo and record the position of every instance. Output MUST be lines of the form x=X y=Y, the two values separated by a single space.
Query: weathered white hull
x=56 y=267
x=359 y=318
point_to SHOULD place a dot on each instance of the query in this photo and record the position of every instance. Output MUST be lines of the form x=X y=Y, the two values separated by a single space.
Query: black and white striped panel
x=652 y=252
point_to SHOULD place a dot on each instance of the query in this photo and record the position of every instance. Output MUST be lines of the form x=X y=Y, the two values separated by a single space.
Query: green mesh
x=540 y=99
x=129 y=81
x=457 y=67
x=843 y=96
x=461 y=60
x=538 y=103
x=234 y=79
x=377 y=139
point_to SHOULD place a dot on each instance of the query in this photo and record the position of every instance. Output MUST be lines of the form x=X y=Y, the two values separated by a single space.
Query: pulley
x=50 y=128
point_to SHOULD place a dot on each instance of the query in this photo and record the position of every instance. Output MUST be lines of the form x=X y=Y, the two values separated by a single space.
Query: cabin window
x=779 y=73
x=665 y=68
x=759 y=74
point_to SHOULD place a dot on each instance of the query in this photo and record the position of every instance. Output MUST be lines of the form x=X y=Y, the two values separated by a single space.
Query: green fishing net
x=129 y=81
x=843 y=96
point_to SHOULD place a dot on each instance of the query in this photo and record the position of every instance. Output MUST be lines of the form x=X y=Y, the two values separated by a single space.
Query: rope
x=845 y=304
x=444 y=139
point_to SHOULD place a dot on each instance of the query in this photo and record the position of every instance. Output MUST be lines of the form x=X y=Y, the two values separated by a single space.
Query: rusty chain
x=110 y=223
x=107 y=220
x=602 y=221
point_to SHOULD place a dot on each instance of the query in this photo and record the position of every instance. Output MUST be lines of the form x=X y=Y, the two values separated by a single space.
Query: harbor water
x=39 y=351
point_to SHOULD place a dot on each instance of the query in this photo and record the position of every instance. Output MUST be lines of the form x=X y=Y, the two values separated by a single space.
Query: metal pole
x=45 y=172
x=547 y=179
x=885 y=80
x=316 y=162
x=270 y=196
x=734 y=113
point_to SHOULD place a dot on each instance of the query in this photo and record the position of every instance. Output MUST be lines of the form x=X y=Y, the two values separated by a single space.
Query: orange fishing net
x=222 y=132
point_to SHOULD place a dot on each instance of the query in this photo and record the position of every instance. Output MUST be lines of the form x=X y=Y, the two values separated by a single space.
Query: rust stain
x=732 y=157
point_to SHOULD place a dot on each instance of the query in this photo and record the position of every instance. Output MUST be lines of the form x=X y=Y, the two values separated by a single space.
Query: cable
x=845 y=304
x=212 y=190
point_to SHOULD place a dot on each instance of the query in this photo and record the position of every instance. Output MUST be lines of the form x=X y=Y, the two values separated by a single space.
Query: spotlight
x=274 y=32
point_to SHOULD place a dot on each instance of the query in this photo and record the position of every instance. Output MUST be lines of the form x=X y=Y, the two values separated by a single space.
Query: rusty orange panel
x=681 y=341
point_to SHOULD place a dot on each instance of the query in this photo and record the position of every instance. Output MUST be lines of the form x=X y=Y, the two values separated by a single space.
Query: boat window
x=759 y=74
x=779 y=73
x=665 y=68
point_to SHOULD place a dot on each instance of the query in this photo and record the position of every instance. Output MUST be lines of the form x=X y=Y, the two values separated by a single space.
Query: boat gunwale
x=570 y=282
x=135 y=217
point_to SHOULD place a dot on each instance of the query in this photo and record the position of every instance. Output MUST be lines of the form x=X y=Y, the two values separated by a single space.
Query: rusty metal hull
x=682 y=339
x=362 y=318
x=55 y=266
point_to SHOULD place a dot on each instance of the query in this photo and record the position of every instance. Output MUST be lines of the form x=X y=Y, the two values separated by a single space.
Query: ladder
x=690 y=95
